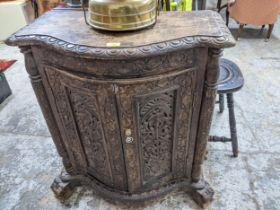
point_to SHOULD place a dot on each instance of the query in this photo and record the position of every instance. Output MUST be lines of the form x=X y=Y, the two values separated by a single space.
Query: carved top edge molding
x=120 y=53
x=224 y=40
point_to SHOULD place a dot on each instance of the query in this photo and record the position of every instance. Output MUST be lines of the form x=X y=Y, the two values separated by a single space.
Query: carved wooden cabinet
x=129 y=112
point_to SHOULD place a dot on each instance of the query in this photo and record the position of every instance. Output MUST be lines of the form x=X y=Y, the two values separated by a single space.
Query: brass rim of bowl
x=135 y=14
x=123 y=29
x=123 y=24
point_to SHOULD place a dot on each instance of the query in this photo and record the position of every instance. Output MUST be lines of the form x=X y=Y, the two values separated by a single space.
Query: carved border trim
x=120 y=53
x=222 y=41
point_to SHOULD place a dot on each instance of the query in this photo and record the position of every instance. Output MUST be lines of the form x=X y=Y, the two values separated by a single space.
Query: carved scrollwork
x=156 y=133
x=90 y=129
x=161 y=109
x=76 y=155
x=84 y=118
x=87 y=121
x=120 y=53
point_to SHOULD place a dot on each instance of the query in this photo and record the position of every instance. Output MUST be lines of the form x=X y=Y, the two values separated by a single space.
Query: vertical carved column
x=41 y=95
x=202 y=192
x=207 y=106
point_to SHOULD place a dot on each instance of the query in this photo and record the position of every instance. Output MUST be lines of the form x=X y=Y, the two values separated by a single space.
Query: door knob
x=129 y=138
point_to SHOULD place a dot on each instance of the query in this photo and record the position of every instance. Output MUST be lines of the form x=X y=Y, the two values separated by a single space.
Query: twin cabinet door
x=129 y=134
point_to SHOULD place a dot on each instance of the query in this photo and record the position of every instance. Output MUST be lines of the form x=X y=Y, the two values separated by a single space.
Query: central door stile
x=176 y=111
x=128 y=136
x=137 y=130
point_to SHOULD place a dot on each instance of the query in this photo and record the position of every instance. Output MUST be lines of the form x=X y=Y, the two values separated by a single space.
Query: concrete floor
x=29 y=161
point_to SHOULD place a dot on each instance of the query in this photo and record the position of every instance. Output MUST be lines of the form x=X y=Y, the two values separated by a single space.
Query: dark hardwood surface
x=67 y=31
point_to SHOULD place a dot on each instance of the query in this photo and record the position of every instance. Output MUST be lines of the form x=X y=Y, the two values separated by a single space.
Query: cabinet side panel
x=38 y=84
x=200 y=61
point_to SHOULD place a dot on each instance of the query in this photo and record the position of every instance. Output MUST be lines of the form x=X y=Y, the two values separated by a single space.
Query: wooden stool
x=230 y=81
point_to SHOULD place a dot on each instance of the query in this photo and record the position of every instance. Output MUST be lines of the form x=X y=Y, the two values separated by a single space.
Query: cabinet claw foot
x=63 y=188
x=202 y=193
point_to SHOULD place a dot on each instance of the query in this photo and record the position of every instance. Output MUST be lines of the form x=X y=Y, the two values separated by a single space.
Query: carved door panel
x=88 y=120
x=152 y=112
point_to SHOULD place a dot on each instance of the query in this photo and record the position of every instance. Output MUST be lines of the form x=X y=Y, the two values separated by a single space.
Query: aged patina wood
x=130 y=120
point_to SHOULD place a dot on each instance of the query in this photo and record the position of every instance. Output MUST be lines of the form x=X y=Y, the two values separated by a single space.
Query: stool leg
x=241 y=26
x=270 y=30
x=232 y=124
x=221 y=102
x=219 y=5
x=227 y=16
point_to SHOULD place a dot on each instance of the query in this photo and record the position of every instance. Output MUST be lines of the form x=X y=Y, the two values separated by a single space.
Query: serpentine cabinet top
x=66 y=30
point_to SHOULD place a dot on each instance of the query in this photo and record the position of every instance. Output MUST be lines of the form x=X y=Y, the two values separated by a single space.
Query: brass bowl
x=122 y=15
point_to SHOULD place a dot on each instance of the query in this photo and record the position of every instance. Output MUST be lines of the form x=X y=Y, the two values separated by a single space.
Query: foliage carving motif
x=90 y=130
x=65 y=115
x=156 y=133
x=87 y=133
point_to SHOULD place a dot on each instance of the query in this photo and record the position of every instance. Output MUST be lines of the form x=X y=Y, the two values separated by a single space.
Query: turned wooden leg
x=35 y=8
x=219 y=5
x=241 y=26
x=227 y=16
x=63 y=186
x=270 y=29
x=263 y=26
x=167 y=5
x=202 y=193
x=221 y=103
x=232 y=124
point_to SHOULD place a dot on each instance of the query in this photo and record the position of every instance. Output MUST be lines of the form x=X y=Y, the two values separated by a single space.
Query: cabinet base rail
x=64 y=186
